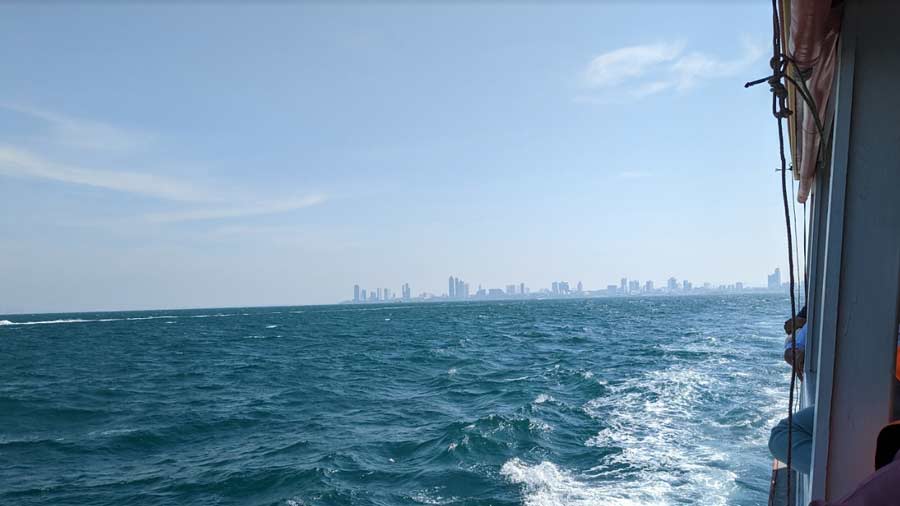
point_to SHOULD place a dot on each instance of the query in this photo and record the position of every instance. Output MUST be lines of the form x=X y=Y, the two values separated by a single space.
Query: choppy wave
x=541 y=403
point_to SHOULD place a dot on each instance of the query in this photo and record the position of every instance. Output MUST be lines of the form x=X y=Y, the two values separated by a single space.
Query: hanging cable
x=800 y=261
x=805 y=259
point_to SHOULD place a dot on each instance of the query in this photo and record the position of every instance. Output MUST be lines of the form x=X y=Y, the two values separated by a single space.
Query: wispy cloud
x=634 y=174
x=236 y=211
x=20 y=163
x=199 y=200
x=616 y=66
x=636 y=72
x=83 y=133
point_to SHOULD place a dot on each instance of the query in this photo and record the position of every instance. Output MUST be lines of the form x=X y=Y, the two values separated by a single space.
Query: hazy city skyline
x=459 y=289
x=331 y=144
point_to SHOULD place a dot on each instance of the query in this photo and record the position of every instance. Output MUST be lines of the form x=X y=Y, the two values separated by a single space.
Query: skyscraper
x=387 y=294
x=555 y=288
x=580 y=287
x=623 y=285
x=510 y=289
x=672 y=284
x=775 y=280
x=378 y=294
x=451 y=287
x=634 y=286
x=355 y=293
x=362 y=295
x=648 y=286
x=521 y=288
x=405 y=291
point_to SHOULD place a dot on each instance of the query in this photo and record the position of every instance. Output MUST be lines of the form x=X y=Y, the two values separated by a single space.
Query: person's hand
x=797 y=363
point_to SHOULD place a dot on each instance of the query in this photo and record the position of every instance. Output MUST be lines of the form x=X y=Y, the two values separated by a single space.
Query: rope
x=780 y=111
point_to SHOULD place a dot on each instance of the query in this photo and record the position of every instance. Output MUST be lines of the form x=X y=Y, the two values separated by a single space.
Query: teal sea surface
x=615 y=402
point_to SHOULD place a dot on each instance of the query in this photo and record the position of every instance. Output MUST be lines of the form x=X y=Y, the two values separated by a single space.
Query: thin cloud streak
x=634 y=174
x=237 y=211
x=20 y=163
x=85 y=134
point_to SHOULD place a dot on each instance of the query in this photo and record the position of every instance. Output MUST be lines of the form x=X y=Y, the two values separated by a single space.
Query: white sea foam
x=545 y=484
x=542 y=398
x=271 y=326
x=45 y=322
x=652 y=427
x=432 y=497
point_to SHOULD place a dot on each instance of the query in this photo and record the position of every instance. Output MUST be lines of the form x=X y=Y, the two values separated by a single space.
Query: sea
x=598 y=401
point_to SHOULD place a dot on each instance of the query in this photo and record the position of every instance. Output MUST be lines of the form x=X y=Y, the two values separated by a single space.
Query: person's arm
x=796 y=358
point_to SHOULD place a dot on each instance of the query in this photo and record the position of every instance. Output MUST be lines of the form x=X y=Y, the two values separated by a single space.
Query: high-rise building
x=611 y=289
x=465 y=291
x=451 y=287
x=623 y=285
x=405 y=292
x=672 y=284
x=564 y=287
x=579 y=287
x=686 y=285
x=387 y=294
x=634 y=286
x=521 y=288
x=362 y=295
x=355 y=293
x=648 y=286
x=775 y=280
x=510 y=289
x=555 y=288
x=739 y=286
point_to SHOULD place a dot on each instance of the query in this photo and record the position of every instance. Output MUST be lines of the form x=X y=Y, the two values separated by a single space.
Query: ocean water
x=653 y=401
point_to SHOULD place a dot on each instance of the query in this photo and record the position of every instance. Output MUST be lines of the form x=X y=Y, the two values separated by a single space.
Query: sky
x=209 y=155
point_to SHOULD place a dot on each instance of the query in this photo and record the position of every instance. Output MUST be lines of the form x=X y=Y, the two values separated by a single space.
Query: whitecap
x=542 y=398
x=46 y=322
x=271 y=326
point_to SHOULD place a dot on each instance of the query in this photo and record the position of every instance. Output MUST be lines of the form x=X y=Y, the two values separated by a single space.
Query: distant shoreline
x=433 y=300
